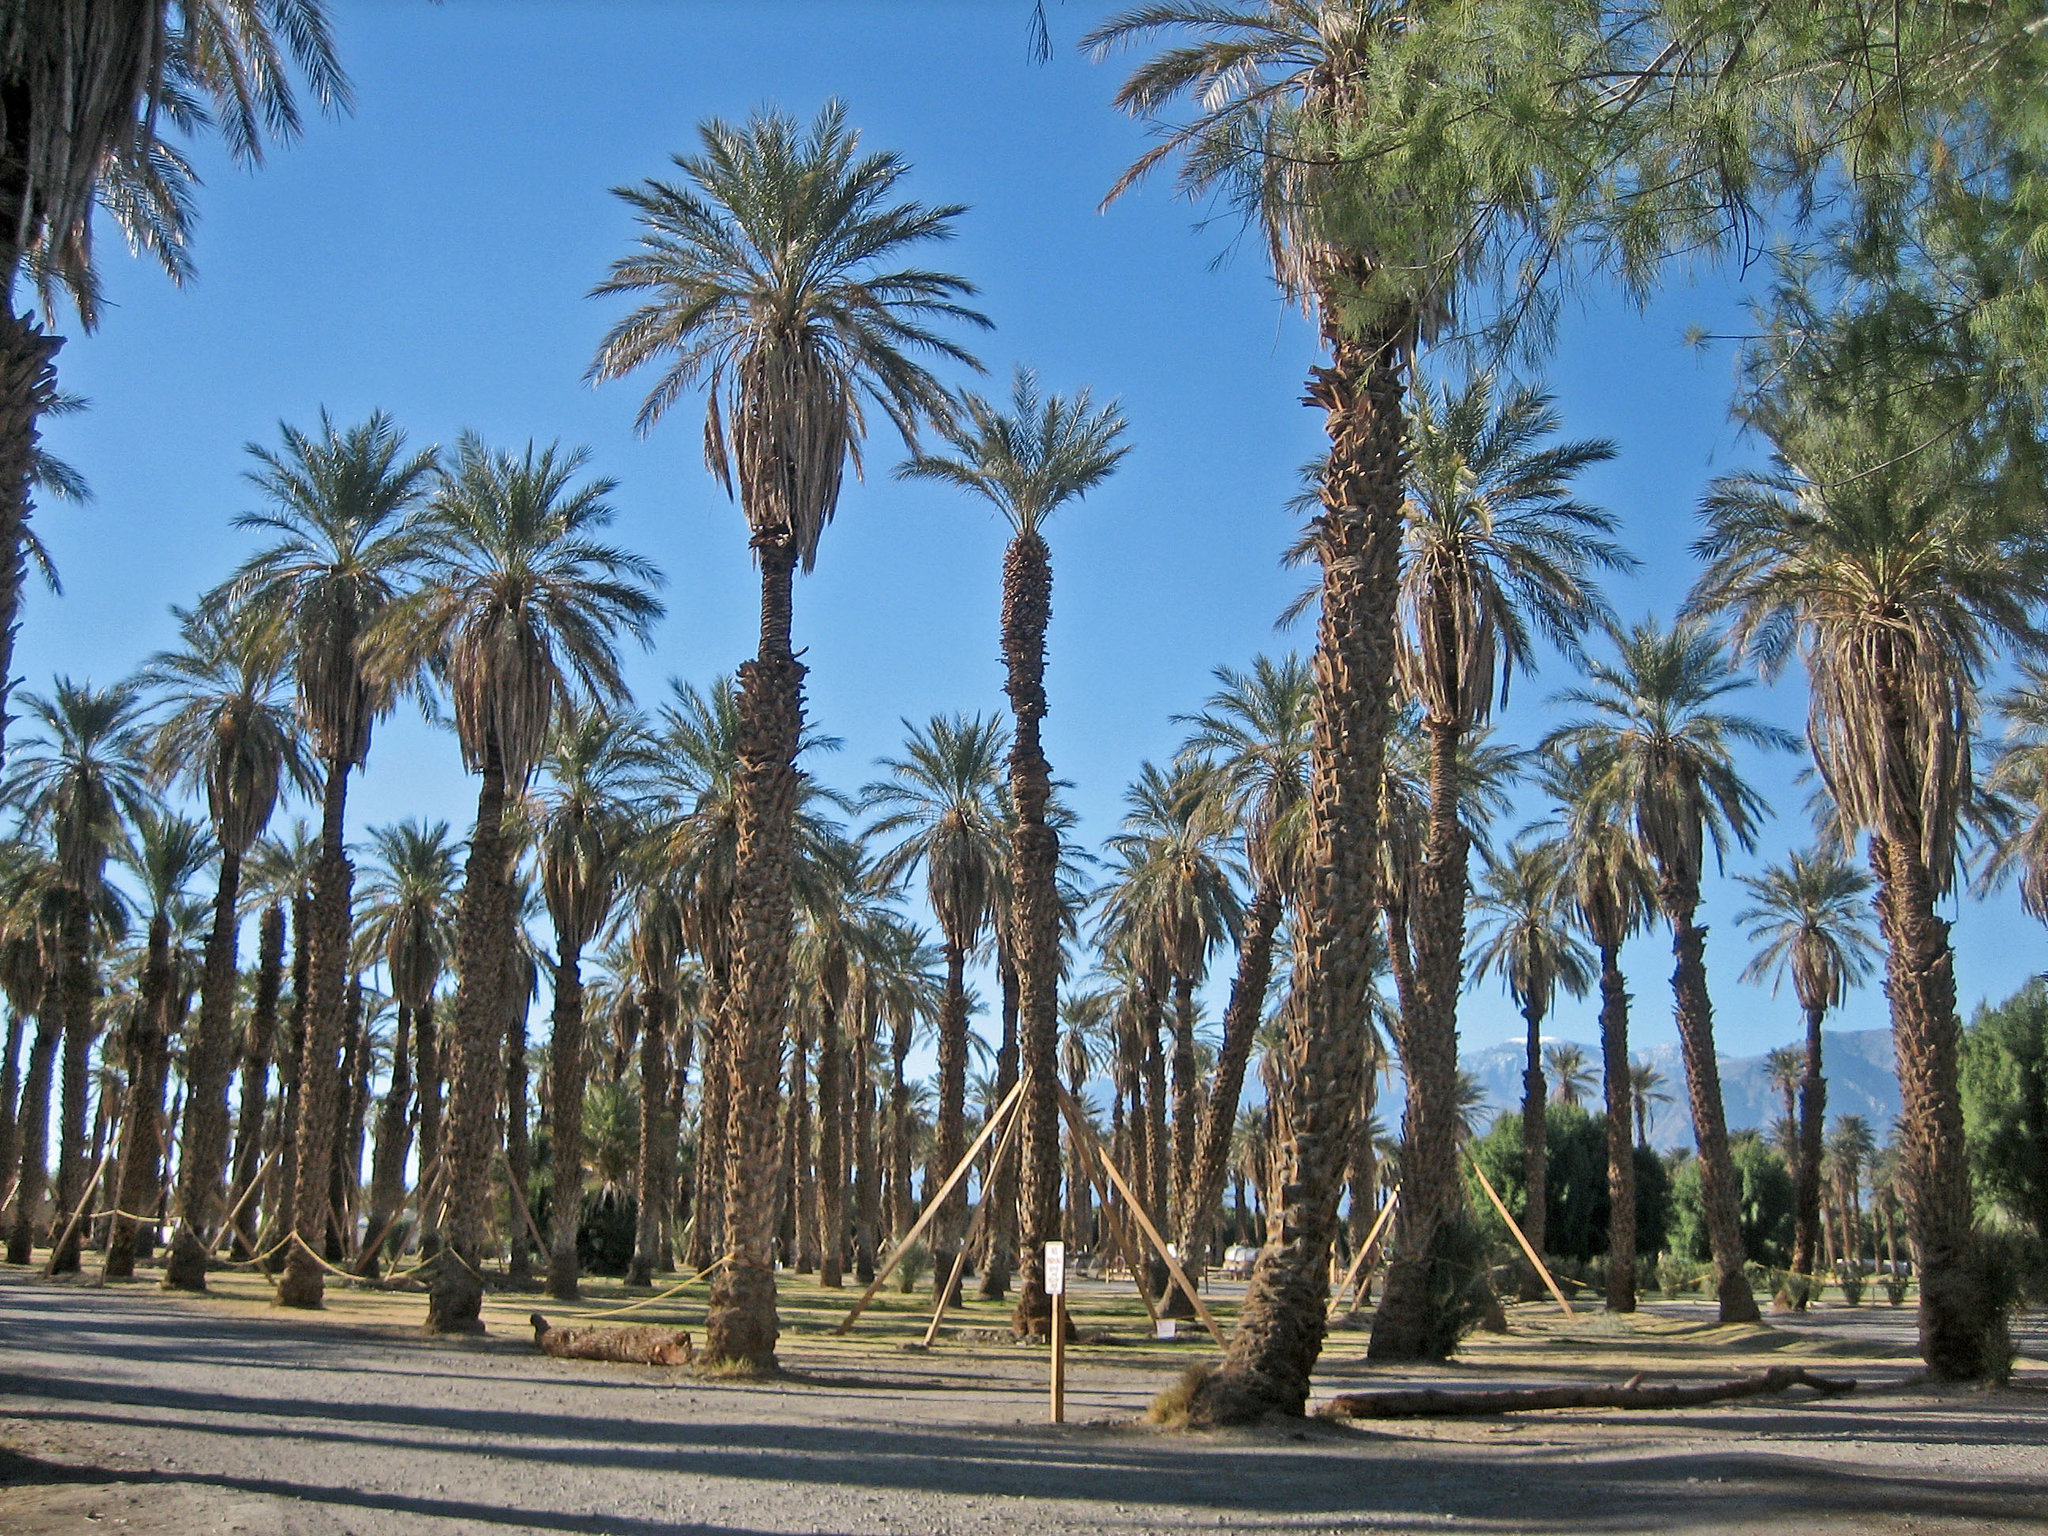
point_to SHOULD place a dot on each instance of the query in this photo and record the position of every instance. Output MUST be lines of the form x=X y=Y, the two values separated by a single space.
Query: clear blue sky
x=430 y=256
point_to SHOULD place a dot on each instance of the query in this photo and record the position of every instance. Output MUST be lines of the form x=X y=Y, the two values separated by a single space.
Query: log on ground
x=1433 y=1403
x=641 y=1344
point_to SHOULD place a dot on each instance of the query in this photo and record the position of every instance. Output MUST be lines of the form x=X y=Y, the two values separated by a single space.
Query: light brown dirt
x=128 y=1410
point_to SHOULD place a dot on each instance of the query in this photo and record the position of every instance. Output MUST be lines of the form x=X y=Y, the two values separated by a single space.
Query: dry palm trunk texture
x=142 y=1121
x=33 y=1129
x=284 y=1173
x=1433 y=1403
x=566 y=1071
x=1813 y=1102
x=741 y=1324
x=393 y=1143
x=1219 y=1114
x=1002 y=1224
x=950 y=1227
x=10 y=1092
x=210 y=1065
x=1621 y=1157
x=867 y=1177
x=345 y=1166
x=641 y=1344
x=325 y=1018
x=801 y=1149
x=455 y=1292
x=28 y=382
x=1186 y=1108
x=1719 y=1192
x=259 y=1038
x=518 y=1158
x=78 y=986
x=901 y=1211
x=1957 y=1318
x=831 y=1146
x=1035 y=916
x=652 y=1177
x=1535 y=1165
x=714 y=1114
x=1280 y=1328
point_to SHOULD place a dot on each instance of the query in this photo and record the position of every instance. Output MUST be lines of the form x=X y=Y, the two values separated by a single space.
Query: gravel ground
x=126 y=1410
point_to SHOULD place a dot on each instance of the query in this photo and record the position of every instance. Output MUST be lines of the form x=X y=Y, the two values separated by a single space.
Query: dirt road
x=124 y=1410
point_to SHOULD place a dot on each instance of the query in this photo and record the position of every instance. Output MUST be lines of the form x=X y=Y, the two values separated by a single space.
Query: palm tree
x=230 y=732
x=1254 y=732
x=520 y=608
x=407 y=900
x=346 y=547
x=1646 y=1090
x=2018 y=785
x=1784 y=1066
x=1045 y=452
x=90 y=91
x=79 y=781
x=1897 y=580
x=1657 y=748
x=168 y=851
x=280 y=875
x=941 y=811
x=1809 y=922
x=1574 y=1073
x=1850 y=1148
x=1525 y=940
x=764 y=279
x=1496 y=552
x=585 y=830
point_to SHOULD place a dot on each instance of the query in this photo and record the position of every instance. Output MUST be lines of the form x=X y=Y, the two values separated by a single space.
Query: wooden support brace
x=1363 y=1257
x=945 y=1296
x=78 y=1215
x=1527 y=1251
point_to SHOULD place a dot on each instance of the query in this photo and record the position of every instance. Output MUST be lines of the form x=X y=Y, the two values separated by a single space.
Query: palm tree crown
x=942 y=807
x=1811 y=919
x=81 y=775
x=1525 y=935
x=409 y=899
x=1254 y=731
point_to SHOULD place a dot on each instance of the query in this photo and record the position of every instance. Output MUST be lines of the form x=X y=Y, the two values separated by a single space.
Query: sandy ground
x=123 y=1409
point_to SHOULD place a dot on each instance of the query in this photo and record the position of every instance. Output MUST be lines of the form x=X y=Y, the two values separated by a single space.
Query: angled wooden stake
x=945 y=1297
x=1365 y=1253
x=1527 y=1252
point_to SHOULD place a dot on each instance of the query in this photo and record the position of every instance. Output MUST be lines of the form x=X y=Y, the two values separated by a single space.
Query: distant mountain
x=1858 y=1065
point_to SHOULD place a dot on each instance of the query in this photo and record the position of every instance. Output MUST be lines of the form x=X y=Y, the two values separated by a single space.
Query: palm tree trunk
x=346 y=1170
x=1280 y=1328
x=456 y=1288
x=142 y=1122
x=867 y=1179
x=566 y=1072
x=284 y=1174
x=1719 y=1190
x=1621 y=1157
x=901 y=1212
x=319 y=1095
x=1406 y=1326
x=804 y=1186
x=831 y=1147
x=676 y=1191
x=1186 y=1113
x=999 y=1194
x=1958 y=1321
x=33 y=1127
x=394 y=1143
x=740 y=1325
x=1158 y=1169
x=950 y=1225
x=655 y=1106
x=258 y=1041
x=78 y=988
x=714 y=1110
x=28 y=382
x=1813 y=1099
x=10 y=1092
x=209 y=1064
x=1535 y=1169
x=1219 y=1115
x=518 y=1153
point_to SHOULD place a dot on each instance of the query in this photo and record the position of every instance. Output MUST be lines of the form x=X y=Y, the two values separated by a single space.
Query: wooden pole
x=371 y=1249
x=78 y=1215
x=931 y=1209
x=1112 y=1216
x=1059 y=1355
x=519 y=1199
x=1180 y=1276
x=1527 y=1252
x=944 y=1299
x=1364 y=1254
x=227 y=1227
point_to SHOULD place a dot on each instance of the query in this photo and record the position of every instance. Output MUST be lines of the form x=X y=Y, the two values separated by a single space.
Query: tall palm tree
x=230 y=733
x=585 y=830
x=765 y=278
x=1028 y=462
x=519 y=608
x=1850 y=1148
x=406 y=921
x=940 y=810
x=1808 y=919
x=1658 y=747
x=346 y=546
x=1897 y=580
x=1254 y=732
x=1526 y=939
x=168 y=850
x=280 y=876
x=80 y=780
x=1785 y=1066
x=91 y=91
x=1496 y=552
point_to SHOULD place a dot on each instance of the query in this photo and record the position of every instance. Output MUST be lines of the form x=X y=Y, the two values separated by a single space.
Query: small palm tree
x=1028 y=463
x=1658 y=747
x=1646 y=1092
x=79 y=780
x=941 y=811
x=520 y=609
x=1574 y=1073
x=764 y=278
x=2018 y=785
x=1810 y=921
x=1525 y=938
x=341 y=505
x=230 y=732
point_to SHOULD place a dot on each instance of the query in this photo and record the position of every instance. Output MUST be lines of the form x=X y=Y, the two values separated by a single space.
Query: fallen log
x=1433 y=1403
x=629 y=1344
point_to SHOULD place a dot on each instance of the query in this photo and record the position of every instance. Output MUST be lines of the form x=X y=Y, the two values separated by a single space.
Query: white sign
x=1055 y=1269
x=1166 y=1327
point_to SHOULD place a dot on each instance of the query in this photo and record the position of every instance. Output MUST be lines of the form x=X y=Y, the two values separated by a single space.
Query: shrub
x=1575 y=1184
x=1764 y=1203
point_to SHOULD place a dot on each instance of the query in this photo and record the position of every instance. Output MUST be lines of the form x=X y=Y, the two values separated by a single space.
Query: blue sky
x=430 y=256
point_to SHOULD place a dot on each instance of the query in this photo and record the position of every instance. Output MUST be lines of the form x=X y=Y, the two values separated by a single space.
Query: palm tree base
x=455 y=1296
x=303 y=1284
x=185 y=1266
x=740 y=1327
x=1738 y=1304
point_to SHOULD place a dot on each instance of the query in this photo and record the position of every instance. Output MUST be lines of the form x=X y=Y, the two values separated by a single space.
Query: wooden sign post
x=1056 y=1288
